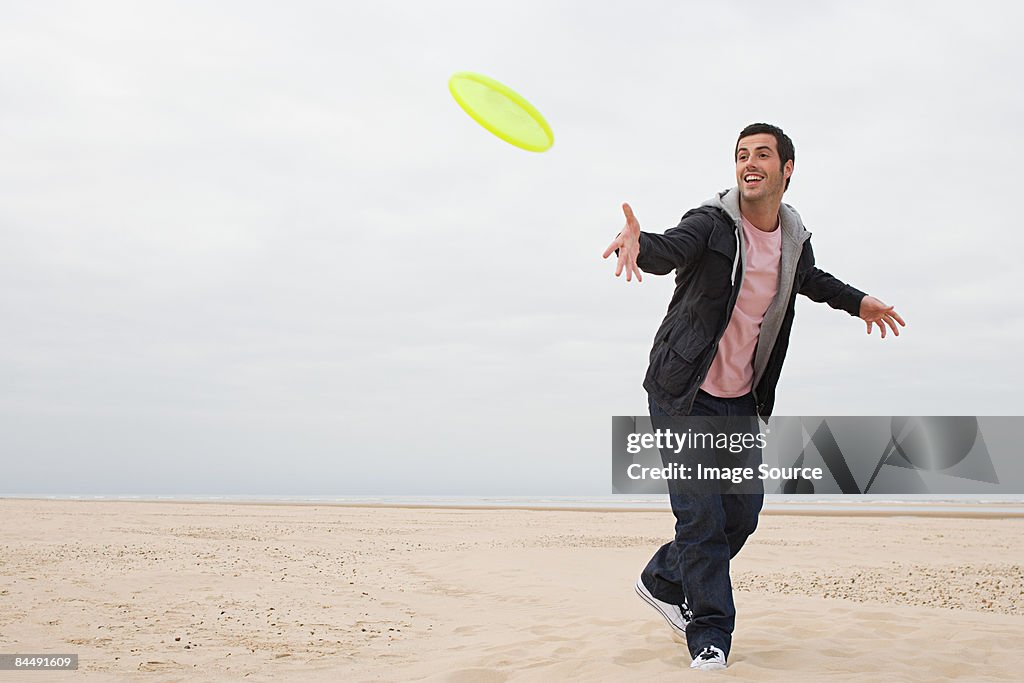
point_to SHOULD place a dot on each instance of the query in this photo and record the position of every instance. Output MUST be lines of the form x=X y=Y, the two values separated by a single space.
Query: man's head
x=764 y=162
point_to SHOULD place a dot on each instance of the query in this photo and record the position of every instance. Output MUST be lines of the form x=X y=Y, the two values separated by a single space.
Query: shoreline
x=818 y=509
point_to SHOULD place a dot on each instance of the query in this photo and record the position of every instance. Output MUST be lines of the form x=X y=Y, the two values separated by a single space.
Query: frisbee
x=501 y=110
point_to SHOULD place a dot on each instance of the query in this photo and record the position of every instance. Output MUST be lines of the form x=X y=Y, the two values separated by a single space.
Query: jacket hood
x=792 y=224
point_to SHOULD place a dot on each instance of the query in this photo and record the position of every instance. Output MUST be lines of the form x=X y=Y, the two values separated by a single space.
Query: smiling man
x=739 y=259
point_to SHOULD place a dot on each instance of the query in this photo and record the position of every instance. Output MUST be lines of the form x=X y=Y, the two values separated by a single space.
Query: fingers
x=884 y=312
x=890 y=319
x=632 y=270
x=626 y=209
x=616 y=244
x=627 y=263
x=627 y=258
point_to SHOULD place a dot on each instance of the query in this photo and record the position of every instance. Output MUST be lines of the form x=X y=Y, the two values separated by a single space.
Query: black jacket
x=704 y=251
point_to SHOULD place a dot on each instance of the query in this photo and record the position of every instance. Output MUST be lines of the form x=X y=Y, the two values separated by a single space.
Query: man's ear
x=787 y=170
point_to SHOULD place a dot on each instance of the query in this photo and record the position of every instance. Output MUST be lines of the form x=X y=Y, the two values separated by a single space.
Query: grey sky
x=257 y=248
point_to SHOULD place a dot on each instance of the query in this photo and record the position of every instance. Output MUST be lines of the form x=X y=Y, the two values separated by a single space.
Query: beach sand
x=193 y=591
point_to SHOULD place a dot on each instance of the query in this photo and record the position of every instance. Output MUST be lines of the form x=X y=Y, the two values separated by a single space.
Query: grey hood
x=794 y=234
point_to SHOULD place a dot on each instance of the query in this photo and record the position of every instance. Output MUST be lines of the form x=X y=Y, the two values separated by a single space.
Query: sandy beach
x=191 y=591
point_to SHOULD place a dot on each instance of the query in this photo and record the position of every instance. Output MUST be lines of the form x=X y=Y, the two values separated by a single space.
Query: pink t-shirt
x=732 y=371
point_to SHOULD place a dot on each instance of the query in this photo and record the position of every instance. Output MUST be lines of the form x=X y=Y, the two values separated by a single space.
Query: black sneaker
x=677 y=616
x=709 y=659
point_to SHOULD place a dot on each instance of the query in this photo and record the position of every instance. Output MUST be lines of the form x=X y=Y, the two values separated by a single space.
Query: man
x=740 y=260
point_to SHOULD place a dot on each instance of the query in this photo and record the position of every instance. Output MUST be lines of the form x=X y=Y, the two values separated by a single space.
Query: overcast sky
x=257 y=248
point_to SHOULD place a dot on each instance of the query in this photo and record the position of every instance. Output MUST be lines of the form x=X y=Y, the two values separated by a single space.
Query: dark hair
x=782 y=142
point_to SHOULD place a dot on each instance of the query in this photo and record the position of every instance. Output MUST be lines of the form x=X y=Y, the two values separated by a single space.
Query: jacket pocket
x=679 y=365
x=721 y=257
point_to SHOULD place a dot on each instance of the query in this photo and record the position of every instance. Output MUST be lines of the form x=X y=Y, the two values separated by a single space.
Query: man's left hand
x=875 y=312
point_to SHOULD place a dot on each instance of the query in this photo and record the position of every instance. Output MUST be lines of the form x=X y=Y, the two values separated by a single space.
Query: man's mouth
x=752 y=178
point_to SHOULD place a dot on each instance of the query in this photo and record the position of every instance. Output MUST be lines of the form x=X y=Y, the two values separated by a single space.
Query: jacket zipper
x=732 y=304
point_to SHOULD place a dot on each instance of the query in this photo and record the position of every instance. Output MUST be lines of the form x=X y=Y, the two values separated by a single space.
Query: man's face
x=759 y=173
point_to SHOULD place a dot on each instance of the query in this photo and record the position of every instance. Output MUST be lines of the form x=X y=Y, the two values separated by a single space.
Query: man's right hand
x=628 y=244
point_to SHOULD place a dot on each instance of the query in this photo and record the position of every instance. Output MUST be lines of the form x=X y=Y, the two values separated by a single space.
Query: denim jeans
x=710 y=529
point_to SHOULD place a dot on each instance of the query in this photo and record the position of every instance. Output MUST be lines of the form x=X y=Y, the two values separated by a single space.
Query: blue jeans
x=710 y=529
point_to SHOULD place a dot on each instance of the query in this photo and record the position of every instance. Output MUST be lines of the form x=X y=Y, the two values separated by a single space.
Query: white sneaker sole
x=714 y=663
x=658 y=605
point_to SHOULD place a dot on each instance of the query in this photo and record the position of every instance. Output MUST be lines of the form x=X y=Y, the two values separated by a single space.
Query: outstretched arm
x=825 y=288
x=679 y=247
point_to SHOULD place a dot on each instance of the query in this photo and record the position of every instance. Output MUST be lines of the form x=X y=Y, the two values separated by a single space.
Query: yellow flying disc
x=501 y=110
